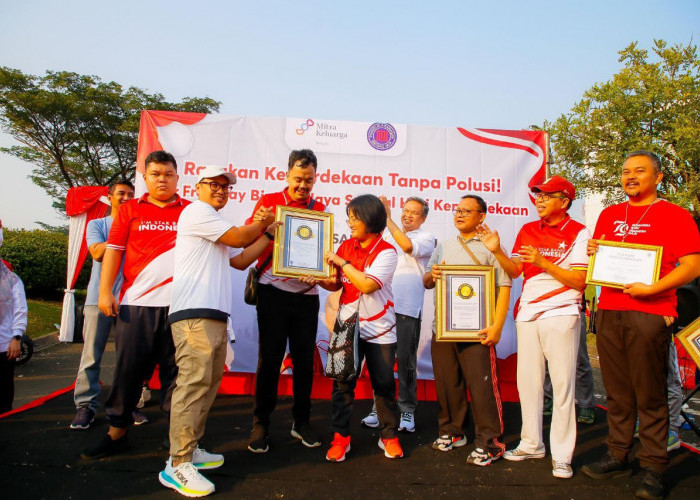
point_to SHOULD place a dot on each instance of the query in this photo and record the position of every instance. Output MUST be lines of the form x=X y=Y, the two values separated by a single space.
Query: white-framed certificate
x=300 y=242
x=465 y=303
x=617 y=264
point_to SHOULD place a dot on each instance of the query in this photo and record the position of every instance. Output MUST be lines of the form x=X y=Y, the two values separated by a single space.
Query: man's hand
x=639 y=290
x=108 y=304
x=273 y=227
x=592 y=245
x=531 y=255
x=492 y=335
x=14 y=350
x=387 y=206
x=489 y=238
x=436 y=272
x=264 y=215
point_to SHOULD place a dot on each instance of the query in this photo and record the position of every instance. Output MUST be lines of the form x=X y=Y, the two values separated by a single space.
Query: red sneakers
x=391 y=447
x=339 y=447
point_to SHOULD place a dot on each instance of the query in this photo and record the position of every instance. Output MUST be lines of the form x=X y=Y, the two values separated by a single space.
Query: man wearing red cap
x=551 y=255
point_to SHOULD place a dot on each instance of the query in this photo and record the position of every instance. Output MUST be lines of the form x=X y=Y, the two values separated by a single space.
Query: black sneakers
x=105 y=446
x=652 y=487
x=305 y=433
x=83 y=418
x=259 y=442
x=608 y=467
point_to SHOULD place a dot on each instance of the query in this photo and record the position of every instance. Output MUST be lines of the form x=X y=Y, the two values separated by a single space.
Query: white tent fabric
x=75 y=241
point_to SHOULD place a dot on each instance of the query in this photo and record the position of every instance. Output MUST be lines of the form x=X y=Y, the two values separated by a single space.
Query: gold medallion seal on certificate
x=465 y=303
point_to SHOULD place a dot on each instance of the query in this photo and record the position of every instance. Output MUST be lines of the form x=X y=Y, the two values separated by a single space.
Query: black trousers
x=633 y=350
x=7 y=382
x=142 y=338
x=380 y=365
x=285 y=316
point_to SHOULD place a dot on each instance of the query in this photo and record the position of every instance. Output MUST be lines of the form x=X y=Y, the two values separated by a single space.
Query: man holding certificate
x=287 y=310
x=634 y=323
x=551 y=255
x=461 y=365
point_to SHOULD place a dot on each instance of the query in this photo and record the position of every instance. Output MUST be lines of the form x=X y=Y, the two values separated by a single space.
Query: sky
x=495 y=64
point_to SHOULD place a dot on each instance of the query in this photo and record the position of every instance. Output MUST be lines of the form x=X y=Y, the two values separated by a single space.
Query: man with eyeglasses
x=199 y=313
x=551 y=255
x=459 y=366
x=414 y=247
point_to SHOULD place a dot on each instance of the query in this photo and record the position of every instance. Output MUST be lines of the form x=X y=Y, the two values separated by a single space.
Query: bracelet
x=345 y=264
x=269 y=236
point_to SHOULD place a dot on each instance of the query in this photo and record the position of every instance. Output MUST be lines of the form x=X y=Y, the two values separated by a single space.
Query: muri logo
x=305 y=126
x=381 y=136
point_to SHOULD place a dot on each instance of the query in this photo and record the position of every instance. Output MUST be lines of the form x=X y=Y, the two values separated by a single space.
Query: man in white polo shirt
x=414 y=248
x=199 y=312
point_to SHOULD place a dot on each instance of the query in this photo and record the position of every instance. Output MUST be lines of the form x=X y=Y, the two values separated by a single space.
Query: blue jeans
x=96 y=330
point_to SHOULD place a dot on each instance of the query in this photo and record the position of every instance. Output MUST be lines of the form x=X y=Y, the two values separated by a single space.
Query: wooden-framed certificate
x=616 y=264
x=301 y=241
x=690 y=339
x=465 y=303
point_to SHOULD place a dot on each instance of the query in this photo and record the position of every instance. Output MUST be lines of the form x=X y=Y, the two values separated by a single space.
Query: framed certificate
x=690 y=338
x=301 y=241
x=616 y=264
x=465 y=303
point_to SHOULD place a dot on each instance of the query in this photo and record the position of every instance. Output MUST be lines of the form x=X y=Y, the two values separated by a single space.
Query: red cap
x=556 y=184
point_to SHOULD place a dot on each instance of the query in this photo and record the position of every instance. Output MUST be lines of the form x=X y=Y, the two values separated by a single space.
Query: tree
x=648 y=104
x=77 y=130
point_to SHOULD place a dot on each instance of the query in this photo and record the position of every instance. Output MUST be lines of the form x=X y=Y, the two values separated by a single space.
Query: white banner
x=396 y=160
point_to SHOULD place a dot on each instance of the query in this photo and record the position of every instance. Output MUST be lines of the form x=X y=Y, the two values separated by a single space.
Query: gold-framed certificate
x=617 y=264
x=465 y=303
x=301 y=241
x=690 y=339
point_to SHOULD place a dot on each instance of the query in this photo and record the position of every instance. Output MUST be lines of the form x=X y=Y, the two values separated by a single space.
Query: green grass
x=42 y=316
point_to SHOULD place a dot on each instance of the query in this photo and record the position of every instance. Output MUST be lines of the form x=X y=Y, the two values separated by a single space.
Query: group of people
x=174 y=309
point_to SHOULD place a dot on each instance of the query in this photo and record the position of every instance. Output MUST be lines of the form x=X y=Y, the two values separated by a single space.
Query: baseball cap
x=555 y=184
x=215 y=171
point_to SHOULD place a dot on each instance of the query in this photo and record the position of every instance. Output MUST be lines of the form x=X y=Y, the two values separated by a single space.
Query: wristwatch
x=16 y=337
x=345 y=264
x=269 y=236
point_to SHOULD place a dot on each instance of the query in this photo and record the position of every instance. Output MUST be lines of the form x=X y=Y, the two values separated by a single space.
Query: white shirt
x=201 y=279
x=13 y=310
x=410 y=268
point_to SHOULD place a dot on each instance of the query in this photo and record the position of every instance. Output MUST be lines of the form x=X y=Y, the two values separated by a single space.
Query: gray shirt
x=453 y=253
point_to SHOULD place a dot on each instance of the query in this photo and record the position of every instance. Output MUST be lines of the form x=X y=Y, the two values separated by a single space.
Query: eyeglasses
x=546 y=197
x=466 y=212
x=412 y=212
x=351 y=222
x=215 y=186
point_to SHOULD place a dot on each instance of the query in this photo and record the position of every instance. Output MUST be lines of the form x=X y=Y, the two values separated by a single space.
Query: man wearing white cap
x=199 y=312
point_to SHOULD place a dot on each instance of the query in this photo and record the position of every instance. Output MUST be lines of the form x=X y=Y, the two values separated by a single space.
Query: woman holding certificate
x=366 y=265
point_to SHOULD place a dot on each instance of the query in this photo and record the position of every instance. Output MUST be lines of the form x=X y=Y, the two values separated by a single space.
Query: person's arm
x=396 y=232
x=97 y=251
x=492 y=334
x=513 y=266
x=19 y=317
x=111 y=262
x=245 y=235
x=687 y=270
x=358 y=278
x=252 y=252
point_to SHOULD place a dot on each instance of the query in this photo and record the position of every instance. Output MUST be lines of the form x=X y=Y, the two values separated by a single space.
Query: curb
x=46 y=341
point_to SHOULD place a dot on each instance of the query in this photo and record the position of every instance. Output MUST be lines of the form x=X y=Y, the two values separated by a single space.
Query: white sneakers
x=371 y=420
x=561 y=469
x=407 y=423
x=186 y=479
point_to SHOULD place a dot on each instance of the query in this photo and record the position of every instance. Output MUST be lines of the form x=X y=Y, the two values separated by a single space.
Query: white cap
x=212 y=171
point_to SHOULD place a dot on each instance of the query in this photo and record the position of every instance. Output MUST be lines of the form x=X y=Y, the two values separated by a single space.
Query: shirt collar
x=176 y=201
x=560 y=226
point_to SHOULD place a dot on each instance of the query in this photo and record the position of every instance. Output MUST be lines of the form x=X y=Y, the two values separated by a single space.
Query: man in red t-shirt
x=287 y=310
x=634 y=324
x=143 y=233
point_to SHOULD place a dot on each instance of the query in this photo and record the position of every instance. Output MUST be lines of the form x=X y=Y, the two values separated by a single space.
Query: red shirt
x=282 y=198
x=664 y=224
x=146 y=233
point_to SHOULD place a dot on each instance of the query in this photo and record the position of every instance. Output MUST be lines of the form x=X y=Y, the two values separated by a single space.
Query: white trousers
x=555 y=340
